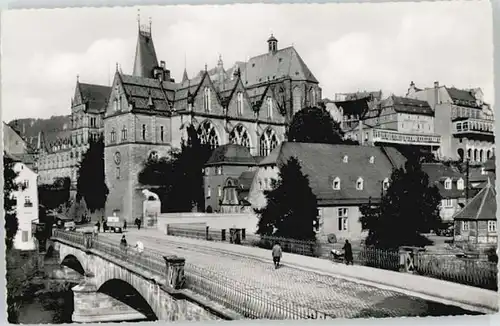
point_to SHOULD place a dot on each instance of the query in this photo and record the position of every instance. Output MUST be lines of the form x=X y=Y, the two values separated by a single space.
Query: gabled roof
x=96 y=96
x=139 y=90
x=322 y=163
x=410 y=106
x=482 y=207
x=270 y=66
x=231 y=154
x=145 y=55
x=438 y=173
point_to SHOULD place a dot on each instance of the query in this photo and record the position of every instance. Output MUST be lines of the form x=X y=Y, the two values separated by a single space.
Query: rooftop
x=231 y=154
x=482 y=207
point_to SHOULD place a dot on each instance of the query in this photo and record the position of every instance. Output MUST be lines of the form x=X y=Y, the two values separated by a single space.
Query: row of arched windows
x=240 y=136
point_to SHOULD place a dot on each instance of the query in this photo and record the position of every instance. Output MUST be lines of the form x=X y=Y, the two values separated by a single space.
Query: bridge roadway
x=330 y=294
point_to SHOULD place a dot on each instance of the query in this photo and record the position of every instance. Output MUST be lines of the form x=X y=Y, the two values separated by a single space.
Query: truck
x=113 y=224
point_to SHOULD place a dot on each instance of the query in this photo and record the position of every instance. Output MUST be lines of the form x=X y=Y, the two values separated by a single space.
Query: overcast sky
x=348 y=47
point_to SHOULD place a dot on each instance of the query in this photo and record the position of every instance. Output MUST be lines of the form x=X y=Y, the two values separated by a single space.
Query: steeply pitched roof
x=145 y=55
x=411 y=106
x=482 y=207
x=245 y=180
x=270 y=66
x=462 y=97
x=231 y=154
x=357 y=107
x=139 y=90
x=322 y=163
x=438 y=173
x=96 y=96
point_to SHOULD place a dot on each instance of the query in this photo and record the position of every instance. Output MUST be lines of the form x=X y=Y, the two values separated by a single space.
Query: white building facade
x=27 y=206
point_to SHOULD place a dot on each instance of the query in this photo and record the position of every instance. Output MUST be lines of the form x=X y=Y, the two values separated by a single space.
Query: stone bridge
x=115 y=290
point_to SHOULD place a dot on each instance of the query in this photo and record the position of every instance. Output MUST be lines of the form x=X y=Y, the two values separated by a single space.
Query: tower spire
x=145 y=53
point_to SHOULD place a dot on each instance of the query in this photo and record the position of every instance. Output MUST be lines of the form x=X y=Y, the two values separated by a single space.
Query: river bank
x=38 y=294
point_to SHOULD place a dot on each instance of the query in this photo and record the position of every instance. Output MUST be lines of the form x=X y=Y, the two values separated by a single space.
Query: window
x=372 y=159
x=25 y=236
x=359 y=184
x=219 y=191
x=385 y=184
x=268 y=142
x=27 y=201
x=26 y=184
x=460 y=184
x=465 y=225
x=219 y=170
x=239 y=103
x=492 y=226
x=345 y=159
x=447 y=202
x=113 y=136
x=161 y=134
x=269 y=103
x=115 y=106
x=143 y=132
x=239 y=136
x=208 y=135
x=342 y=219
x=207 y=171
x=124 y=133
x=118 y=173
x=447 y=184
x=313 y=97
x=206 y=99
x=336 y=184
x=209 y=192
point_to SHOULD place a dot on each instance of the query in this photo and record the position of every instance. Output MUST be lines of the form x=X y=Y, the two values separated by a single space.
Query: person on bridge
x=123 y=243
x=277 y=253
x=138 y=223
x=348 y=253
x=140 y=247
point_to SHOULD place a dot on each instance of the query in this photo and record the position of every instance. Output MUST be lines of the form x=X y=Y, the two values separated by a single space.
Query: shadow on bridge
x=128 y=295
x=73 y=263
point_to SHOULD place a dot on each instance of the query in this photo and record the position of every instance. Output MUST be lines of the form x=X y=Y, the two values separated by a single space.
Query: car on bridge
x=113 y=224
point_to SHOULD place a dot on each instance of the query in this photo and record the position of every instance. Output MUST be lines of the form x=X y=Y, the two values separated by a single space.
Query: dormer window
x=385 y=184
x=372 y=159
x=460 y=184
x=345 y=159
x=336 y=184
x=447 y=184
x=359 y=184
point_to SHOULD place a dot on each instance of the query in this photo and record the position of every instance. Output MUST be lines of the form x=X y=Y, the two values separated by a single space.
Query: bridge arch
x=72 y=262
x=127 y=294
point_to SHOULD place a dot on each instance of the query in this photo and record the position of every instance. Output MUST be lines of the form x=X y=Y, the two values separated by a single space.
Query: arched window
x=239 y=103
x=208 y=135
x=481 y=156
x=269 y=106
x=161 y=134
x=115 y=107
x=206 y=99
x=113 y=136
x=359 y=184
x=297 y=99
x=239 y=136
x=460 y=184
x=143 y=132
x=268 y=142
x=124 y=133
x=312 y=94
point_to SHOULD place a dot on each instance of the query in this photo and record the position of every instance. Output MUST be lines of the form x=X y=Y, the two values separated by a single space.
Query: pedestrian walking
x=277 y=253
x=123 y=244
x=96 y=228
x=138 y=223
x=124 y=225
x=139 y=246
x=348 y=253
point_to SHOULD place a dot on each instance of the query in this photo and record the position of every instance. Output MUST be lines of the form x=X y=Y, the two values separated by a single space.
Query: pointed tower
x=145 y=54
x=185 y=76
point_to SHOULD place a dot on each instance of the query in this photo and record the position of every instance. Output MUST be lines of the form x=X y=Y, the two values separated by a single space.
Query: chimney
x=436 y=93
x=162 y=64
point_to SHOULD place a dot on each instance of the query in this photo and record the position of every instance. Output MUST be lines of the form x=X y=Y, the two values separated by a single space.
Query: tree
x=53 y=196
x=178 y=179
x=315 y=125
x=292 y=209
x=409 y=207
x=91 y=183
x=9 y=202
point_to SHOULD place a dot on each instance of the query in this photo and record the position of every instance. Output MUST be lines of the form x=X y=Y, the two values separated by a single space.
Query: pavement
x=335 y=289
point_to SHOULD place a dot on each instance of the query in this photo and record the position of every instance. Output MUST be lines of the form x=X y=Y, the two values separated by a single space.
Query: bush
x=492 y=255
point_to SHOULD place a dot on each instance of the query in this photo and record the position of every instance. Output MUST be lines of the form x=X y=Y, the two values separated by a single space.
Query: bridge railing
x=482 y=274
x=241 y=297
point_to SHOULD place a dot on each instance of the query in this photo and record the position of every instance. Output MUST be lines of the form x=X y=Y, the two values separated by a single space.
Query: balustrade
x=398 y=137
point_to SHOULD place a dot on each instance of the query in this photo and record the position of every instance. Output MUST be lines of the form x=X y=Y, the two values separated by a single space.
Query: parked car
x=65 y=223
x=445 y=232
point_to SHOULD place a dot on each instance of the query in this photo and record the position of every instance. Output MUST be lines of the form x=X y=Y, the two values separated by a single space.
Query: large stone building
x=59 y=157
x=248 y=104
x=464 y=121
